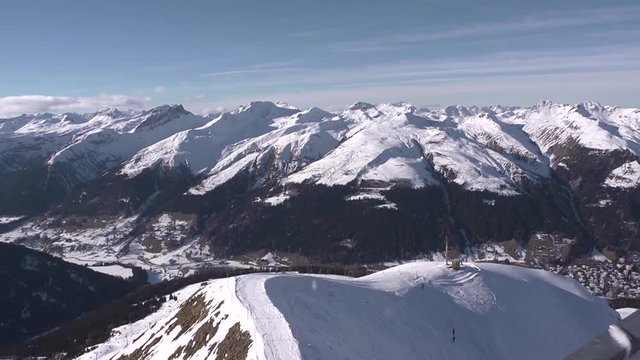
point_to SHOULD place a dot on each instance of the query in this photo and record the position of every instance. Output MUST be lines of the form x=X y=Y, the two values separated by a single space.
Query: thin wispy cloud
x=498 y=64
x=483 y=90
x=16 y=105
x=315 y=33
x=343 y=47
x=249 y=71
x=532 y=24
x=273 y=67
x=175 y=66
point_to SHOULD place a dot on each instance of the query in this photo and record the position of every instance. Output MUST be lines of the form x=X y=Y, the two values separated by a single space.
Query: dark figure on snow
x=453 y=339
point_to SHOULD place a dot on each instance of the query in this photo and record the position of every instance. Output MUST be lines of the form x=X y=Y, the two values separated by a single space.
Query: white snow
x=102 y=241
x=495 y=252
x=406 y=312
x=9 y=219
x=489 y=148
x=597 y=256
x=274 y=200
x=625 y=176
x=220 y=296
x=202 y=147
x=109 y=137
x=114 y=270
x=624 y=312
x=377 y=147
x=219 y=177
x=621 y=338
x=366 y=196
x=492 y=148
x=552 y=123
x=387 y=143
x=602 y=203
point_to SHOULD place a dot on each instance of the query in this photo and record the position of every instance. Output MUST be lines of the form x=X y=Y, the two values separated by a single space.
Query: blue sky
x=81 y=55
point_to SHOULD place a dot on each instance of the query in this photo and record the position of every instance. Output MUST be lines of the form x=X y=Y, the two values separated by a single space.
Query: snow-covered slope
x=414 y=311
x=625 y=176
x=375 y=145
x=493 y=148
x=588 y=124
x=385 y=144
x=499 y=173
x=79 y=147
x=115 y=138
x=200 y=148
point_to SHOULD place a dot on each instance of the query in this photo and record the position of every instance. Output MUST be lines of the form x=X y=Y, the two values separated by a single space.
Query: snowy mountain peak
x=170 y=110
x=73 y=118
x=496 y=149
x=110 y=112
x=402 y=107
x=161 y=115
x=457 y=111
x=256 y=113
x=361 y=106
x=284 y=104
x=593 y=105
x=547 y=104
x=311 y=115
x=264 y=109
x=501 y=110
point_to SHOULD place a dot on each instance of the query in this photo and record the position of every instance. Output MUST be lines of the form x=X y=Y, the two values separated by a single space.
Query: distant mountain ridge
x=241 y=180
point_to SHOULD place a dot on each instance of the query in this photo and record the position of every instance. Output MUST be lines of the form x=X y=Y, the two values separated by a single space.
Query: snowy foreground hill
x=415 y=311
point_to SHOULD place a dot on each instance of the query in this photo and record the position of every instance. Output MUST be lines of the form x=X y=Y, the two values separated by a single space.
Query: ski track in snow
x=276 y=336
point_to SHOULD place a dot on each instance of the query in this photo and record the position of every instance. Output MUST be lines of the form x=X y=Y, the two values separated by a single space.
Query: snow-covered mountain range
x=482 y=174
x=414 y=311
x=491 y=148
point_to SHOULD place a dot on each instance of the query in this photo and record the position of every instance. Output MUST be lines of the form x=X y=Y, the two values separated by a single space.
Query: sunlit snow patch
x=625 y=176
x=114 y=270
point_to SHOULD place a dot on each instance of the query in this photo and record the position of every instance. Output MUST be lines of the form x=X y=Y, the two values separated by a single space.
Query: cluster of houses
x=608 y=279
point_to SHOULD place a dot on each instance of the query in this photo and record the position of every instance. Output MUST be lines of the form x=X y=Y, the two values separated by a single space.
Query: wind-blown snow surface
x=406 y=312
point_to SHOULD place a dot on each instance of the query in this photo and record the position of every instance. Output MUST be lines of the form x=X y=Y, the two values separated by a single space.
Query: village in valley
x=610 y=279
x=611 y=276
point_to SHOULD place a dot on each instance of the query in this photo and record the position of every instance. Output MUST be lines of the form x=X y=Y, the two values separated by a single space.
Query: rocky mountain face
x=169 y=190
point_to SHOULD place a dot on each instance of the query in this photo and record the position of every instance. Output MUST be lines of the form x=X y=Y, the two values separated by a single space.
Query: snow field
x=410 y=311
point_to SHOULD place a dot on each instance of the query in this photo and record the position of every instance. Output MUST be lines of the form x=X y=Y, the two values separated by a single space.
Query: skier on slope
x=453 y=339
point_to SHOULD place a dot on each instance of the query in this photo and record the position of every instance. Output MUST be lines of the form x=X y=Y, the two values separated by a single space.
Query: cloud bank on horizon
x=12 y=105
x=85 y=55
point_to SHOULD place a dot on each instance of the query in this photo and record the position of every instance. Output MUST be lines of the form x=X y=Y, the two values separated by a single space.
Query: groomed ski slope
x=406 y=312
